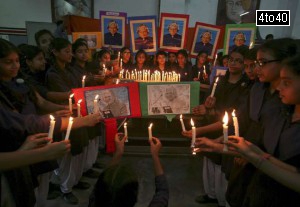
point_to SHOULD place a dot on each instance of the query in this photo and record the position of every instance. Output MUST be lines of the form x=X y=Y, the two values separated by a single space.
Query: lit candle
x=83 y=81
x=121 y=63
x=69 y=128
x=225 y=130
x=178 y=77
x=70 y=102
x=150 y=131
x=251 y=45
x=204 y=70
x=78 y=108
x=51 y=128
x=215 y=61
x=214 y=88
x=182 y=123
x=119 y=58
x=235 y=123
x=199 y=75
x=104 y=69
x=125 y=131
x=193 y=134
x=96 y=109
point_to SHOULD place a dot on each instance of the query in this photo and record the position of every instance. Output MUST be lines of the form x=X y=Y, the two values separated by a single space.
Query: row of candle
x=146 y=75
x=52 y=125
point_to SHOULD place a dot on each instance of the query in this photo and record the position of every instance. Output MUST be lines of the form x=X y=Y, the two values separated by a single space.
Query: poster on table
x=217 y=71
x=93 y=39
x=114 y=101
x=112 y=26
x=168 y=98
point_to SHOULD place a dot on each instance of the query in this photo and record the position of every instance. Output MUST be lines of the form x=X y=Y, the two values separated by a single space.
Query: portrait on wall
x=207 y=38
x=238 y=36
x=60 y=8
x=121 y=100
x=173 y=31
x=236 y=11
x=166 y=98
x=143 y=33
x=113 y=29
x=93 y=39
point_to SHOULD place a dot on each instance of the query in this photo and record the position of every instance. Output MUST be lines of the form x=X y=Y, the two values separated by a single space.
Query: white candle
x=182 y=123
x=150 y=131
x=251 y=45
x=78 y=108
x=215 y=61
x=69 y=128
x=51 y=128
x=83 y=81
x=125 y=131
x=235 y=124
x=214 y=88
x=225 y=130
x=178 y=77
x=198 y=75
x=70 y=102
x=204 y=70
x=119 y=58
x=112 y=69
x=121 y=64
x=193 y=134
x=96 y=109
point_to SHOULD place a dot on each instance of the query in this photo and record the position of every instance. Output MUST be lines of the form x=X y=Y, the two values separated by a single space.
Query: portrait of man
x=91 y=40
x=239 y=41
x=113 y=37
x=143 y=41
x=172 y=39
x=204 y=44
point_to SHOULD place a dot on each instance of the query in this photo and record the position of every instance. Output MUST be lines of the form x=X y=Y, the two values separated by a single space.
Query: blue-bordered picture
x=206 y=39
x=173 y=31
x=239 y=35
x=217 y=71
x=113 y=29
x=143 y=33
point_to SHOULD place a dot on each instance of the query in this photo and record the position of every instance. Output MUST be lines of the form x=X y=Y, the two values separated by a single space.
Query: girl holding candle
x=201 y=69
x=141 y=60
x=184 y=66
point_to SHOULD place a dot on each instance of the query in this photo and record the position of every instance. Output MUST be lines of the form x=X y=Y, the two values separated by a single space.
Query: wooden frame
x=176 y=40
x=113 y=38
x=140 y=40
x=61 y=8
x=202 y=33
x=93 y=39
x=235 y=31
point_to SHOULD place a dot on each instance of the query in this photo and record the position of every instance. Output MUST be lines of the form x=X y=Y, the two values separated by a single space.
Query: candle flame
x=70 y=119
x=217 y=80
x=79 y=101
x=51 y=117
x=150 y=126
x=96 y=97
x=83 y=78
x=125 y=124
x=180 y=116
x=233 y=113
x=103 y=65
x=192 y=122
x=225 y=118
x=71 y=96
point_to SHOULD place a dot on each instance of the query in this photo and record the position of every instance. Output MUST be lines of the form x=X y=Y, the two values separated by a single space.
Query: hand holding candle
x=236 y=124
x=78 y=108
x=182 y=123
x=225 y=131
x=150 y=131
x=193 y=133
x=214 y=87
x=69 y=128
x=51 y=128
x=70 y=102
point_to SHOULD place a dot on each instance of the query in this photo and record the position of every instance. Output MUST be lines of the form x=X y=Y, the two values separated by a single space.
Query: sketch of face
x=44 y=42
x=234 y=8
x=112 y=28
x=143 y=32
x=170 y=94
x=173 y=29
x=107 y=97
x=239 y=40
x=206 y=38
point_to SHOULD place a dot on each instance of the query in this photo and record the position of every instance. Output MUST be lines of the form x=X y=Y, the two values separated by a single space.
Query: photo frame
x=93 y=39
x=173 y=31
x=236 y=11
x=207 y=38
x=168 y=98
x=113 y=29
x=114 y=101
x=217 y=71
x=143 y=34
x=61 y=8
x=238 y=35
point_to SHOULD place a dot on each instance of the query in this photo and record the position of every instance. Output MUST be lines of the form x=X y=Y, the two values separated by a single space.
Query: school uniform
x=185 y=73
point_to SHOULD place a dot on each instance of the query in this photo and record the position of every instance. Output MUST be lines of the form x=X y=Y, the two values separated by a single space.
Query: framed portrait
x=115 y=101
x=238 y=35
x=236 y=11
x=112 y=26
x=143 y=33
x=217 y=71
x=93 y=39
x=173 y=31
x=207 y=38
x=60 y=8
x=168 y=98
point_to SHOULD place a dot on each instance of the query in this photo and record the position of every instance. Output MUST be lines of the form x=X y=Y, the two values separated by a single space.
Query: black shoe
x=70 y=198
x=82 y=185
x=54 y=191
x=99 y=165
x=91 y=174
x=205 y=199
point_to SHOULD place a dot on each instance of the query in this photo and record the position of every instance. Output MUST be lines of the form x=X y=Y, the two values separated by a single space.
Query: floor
x=184 y=174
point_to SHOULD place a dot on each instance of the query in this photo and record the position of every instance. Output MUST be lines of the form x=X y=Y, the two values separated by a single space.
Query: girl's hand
x=63 y=113
x=187 y=133
x=57 y=149
x=210 y=102
x=208 y=145
x=35 y=141
x=199 y=110
x=155 y=146
x=119 y=143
